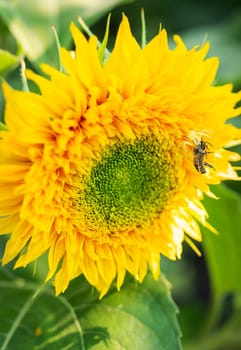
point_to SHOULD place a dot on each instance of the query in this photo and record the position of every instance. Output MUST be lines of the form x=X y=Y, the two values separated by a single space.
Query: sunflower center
x=128 y=186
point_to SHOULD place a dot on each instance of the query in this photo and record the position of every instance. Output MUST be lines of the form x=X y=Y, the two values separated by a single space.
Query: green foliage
x=30 y=23
x=220 y=331
x=140 y=317
x=3 y=127
x=7 y=61
x=222 y=251
x=103 y=51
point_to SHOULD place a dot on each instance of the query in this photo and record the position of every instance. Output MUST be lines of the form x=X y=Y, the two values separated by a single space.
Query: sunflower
x=106 y=167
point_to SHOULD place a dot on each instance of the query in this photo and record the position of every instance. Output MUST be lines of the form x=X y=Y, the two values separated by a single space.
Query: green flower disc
x=128 y=186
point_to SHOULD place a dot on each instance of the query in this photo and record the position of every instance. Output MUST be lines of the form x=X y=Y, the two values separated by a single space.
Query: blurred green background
x=207 y=289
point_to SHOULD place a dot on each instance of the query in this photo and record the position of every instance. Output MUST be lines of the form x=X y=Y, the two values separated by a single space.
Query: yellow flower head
x=105 y=169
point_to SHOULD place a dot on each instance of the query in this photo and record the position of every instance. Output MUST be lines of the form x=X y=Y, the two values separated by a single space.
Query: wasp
x=200 y=152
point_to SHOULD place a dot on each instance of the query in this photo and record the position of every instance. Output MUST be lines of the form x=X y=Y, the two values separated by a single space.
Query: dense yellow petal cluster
x=98 y=169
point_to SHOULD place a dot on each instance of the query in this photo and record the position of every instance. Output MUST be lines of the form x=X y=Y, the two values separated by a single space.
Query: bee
x=200 y=152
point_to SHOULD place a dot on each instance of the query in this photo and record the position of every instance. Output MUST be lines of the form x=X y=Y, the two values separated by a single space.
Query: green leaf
x=103 y=51
x=138 y=317
x=3 y=127
x=227 y=336
x=7 y=61
x=220 y=331
x=222 y=251
x=30 y=23
x=32 y=318
x=143 y=28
